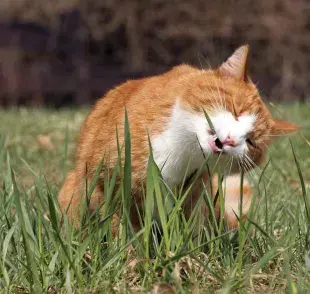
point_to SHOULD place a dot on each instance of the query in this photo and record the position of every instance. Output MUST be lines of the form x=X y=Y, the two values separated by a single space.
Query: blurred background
x=70 y=52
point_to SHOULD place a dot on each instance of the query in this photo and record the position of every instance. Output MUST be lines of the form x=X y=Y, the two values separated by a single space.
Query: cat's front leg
x=231 y=191
x=232 y=197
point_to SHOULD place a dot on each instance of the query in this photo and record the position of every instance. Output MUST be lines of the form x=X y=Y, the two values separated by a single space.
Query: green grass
x=40 y=254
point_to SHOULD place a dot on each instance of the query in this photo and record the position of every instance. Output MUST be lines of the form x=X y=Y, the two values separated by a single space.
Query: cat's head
x=243 y=125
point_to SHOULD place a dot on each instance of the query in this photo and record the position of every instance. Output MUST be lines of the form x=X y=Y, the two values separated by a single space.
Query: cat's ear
x=236 y=65
x=281 y=127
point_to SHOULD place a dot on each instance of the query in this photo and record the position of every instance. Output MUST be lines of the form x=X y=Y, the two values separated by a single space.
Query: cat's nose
x=229 y=142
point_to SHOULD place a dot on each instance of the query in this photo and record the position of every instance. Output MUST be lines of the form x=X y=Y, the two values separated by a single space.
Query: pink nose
x=229 y=142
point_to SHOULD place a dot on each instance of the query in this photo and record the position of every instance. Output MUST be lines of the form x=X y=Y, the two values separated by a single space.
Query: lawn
x=42 y=253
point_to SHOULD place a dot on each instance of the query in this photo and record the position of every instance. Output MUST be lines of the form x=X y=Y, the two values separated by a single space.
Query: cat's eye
x=250 y=142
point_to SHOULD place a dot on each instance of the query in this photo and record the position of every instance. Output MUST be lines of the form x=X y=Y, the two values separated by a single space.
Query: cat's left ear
x=236 y=65
x=281 y=127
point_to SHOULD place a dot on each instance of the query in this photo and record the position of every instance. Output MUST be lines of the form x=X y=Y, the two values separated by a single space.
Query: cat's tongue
x=213 y=147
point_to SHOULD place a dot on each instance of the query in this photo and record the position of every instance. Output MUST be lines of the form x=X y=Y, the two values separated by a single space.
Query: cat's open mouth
x=218 y=143
x=215 y=144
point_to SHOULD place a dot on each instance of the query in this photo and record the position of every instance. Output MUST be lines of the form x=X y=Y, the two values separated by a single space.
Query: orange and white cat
x=170 y=108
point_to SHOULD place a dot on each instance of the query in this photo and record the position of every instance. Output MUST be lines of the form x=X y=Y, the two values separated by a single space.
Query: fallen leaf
x=45 y=142
x=59 y=137
x=162 y=288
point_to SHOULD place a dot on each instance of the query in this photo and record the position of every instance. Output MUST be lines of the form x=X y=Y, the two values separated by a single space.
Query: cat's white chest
x=176 y=159
x=176 y=151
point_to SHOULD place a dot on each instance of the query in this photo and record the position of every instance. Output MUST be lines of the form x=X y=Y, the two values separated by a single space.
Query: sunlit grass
x=41 y=251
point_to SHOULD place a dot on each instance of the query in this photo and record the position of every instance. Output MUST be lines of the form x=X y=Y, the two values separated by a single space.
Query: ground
x=268 y=255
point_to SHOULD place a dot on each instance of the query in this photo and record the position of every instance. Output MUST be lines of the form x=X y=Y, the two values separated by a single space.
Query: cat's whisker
x=250 y=163
x=208 y=63
x=262 y=173
x=214 y=102
x=248 y=168
x=214 y=98
x=271 y=135
x=260 y=170
x=217 y=99
x=223 y=95
x=221 y=98
x=219 y=106
x=199 y=55
x=239 y=164
x=252 y=172
x=224 y=101
x=253 y=164
x=243 y=167
x=231 y=164
x=263 y=143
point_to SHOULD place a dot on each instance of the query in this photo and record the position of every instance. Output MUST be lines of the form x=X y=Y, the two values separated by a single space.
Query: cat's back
x=137 y=93
x=148 y=102
x=142 y=95
x=134 y=93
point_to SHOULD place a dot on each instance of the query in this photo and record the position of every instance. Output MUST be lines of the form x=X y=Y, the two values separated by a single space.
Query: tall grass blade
x=28 y=239
x=209 y=121
x=127 y=178
x=5 y=246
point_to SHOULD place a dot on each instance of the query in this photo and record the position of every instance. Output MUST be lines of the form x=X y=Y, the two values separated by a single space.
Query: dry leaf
x=162 y=288
x=59 y=137
x=45 y=142
x=88 y=256
x=295 y=184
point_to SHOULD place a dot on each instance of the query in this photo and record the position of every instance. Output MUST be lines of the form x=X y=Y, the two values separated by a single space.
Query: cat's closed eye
x=250 y=142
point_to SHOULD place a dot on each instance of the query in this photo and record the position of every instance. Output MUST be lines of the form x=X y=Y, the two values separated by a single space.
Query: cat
x=170 y=109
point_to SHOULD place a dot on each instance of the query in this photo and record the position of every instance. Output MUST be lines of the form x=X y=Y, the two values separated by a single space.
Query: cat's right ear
x=236 y=65
x=281 y=127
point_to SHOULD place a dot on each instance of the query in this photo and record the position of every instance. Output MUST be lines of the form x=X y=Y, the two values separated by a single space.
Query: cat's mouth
x=215 y=144
x=218 y=143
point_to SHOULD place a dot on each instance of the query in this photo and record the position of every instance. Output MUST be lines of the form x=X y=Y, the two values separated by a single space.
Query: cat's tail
x=72 y=196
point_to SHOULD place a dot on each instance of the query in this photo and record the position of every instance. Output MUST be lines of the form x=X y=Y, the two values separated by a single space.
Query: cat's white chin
x=229 y=151
x=237 y=151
